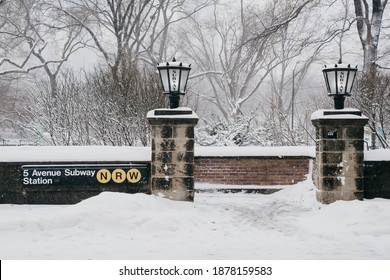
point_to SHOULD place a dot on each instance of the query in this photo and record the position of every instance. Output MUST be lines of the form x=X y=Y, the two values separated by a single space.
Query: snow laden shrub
x=58 y=117
x=10 y=107
x=121 y=103
x=282 y=132
x=243 y=132
x=246 y=131
x=100 y=109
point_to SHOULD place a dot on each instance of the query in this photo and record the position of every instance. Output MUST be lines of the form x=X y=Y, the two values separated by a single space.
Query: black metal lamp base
x=339 y=102
x=174 y=101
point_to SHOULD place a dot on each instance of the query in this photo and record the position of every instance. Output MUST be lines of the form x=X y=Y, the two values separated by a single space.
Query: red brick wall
x=251 y=170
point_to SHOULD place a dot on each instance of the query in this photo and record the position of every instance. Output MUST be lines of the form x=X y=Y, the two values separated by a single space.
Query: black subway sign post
x=133 y=175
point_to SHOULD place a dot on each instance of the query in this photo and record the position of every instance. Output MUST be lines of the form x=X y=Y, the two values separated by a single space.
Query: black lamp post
x=339 y=81
x=174 y=76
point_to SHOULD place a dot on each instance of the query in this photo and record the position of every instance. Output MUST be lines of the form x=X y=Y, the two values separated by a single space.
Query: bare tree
x=7 y=106
x=97 y=111
x=33 y=38
x=372 y=97
x=118 y=111
x=164 y=32
x=282 y=20
x=234 y=70
x=235 y=58
x=300 y=43
x=55 y=119
x=124 y=31
x=28 y=34
x=372 y=86
x=369 y=24
x=116 y=19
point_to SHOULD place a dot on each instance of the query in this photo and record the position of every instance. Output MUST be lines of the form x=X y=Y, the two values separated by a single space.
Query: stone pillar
x=338 y=171
x=172 y=173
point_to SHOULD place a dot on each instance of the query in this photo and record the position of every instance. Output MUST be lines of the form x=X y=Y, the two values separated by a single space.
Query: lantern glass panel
x=331 y=75
x=174 y=78
x=351 y=79
x=183 y=80
x=164 y=78
x=341 y=81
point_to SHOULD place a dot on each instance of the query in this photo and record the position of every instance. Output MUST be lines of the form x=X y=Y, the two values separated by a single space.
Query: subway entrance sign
x=131 y=175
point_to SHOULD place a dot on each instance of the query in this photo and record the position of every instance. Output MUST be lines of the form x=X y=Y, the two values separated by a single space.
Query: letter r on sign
x=118 y=176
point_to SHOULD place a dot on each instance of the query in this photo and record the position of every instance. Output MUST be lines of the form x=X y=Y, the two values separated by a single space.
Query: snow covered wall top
x=287 y=151
x=377 y=155
x=109 y=153
x=73 y=153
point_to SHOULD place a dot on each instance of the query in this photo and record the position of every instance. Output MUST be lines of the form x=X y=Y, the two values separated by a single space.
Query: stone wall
x=218 y=170
x=218 y=165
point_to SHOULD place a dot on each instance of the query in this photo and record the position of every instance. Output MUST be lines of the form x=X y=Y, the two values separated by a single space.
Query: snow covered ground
x=289 y=224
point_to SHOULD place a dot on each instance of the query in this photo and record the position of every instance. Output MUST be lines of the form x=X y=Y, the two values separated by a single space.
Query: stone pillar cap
x=347 y=113
x=177 y=113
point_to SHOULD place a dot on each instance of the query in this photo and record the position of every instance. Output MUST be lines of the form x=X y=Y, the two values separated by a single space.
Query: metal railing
x=17 y=142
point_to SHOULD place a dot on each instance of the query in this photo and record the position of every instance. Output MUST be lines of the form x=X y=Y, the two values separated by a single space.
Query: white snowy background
x=289 y=224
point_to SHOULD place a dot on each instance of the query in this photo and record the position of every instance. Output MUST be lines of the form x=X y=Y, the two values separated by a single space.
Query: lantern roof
x=174 y=64
x=339 y=66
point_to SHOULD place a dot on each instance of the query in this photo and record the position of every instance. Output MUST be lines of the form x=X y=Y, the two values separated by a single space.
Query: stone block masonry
x=172 y=165
x=339 y=168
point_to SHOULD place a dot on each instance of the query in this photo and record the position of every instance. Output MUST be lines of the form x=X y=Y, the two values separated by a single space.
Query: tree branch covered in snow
x=280 y=23
x=31 y=28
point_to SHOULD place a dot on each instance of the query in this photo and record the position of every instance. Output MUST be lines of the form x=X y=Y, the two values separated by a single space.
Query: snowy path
x=289 y=224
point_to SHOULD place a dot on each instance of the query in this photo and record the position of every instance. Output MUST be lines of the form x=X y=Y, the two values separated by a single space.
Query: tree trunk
x=369 y=31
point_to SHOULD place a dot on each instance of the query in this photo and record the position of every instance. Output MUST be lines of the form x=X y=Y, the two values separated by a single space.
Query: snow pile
x=289 y=224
